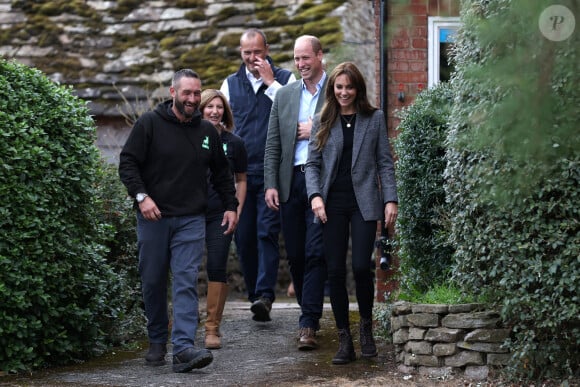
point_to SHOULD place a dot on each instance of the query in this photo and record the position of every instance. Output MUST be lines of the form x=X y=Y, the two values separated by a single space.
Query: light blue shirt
x=307 y=108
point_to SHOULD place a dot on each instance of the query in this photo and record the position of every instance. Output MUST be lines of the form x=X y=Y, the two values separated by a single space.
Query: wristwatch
x=140 y=197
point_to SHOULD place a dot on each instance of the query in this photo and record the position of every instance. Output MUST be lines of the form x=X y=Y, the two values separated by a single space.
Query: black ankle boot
x=155 y=357
x=345 y=352
x=367 y=341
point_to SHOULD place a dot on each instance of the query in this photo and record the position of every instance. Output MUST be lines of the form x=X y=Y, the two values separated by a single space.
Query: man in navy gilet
x=251 y=91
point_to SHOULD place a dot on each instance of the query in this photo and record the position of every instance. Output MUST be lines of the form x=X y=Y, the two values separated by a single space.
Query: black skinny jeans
x=218 y=248
x=344 y=216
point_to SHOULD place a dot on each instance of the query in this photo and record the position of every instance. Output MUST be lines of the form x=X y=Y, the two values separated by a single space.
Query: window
x=441 y=35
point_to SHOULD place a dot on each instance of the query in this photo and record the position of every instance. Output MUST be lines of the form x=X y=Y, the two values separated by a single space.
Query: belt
x=299 y=168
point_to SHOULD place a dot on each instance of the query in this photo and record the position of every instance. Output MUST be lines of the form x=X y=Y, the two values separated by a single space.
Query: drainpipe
x=383 y=61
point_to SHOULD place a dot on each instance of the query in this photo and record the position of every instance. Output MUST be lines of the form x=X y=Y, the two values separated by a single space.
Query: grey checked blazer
x=281 y=140
x=373 y=171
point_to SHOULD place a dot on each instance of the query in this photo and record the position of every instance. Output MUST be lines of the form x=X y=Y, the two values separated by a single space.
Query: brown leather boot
x=217 y=293
x=307 y=339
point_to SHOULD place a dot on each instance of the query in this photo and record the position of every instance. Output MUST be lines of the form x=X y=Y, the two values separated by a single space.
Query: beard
x=180 y=106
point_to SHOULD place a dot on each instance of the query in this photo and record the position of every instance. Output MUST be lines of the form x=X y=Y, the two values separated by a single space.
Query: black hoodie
x=168 y=160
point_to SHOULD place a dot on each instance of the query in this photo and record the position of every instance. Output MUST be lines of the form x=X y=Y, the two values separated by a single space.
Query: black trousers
x=344 y=220
x=305 y=251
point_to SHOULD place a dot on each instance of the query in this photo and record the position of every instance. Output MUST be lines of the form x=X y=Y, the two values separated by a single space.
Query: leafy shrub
x=422 y=230
x=382 y=314
x=122 y=256
x=512 y=180
x=56 y=290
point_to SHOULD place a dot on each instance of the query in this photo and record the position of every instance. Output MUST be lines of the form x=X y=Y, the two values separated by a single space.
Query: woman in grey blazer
x=350 y=181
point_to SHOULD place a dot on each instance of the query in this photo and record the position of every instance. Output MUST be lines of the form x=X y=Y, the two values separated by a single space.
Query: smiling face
x=307 y=61
x=214 y=111
x=252 y=48
x=345 y=93
x=186 y=97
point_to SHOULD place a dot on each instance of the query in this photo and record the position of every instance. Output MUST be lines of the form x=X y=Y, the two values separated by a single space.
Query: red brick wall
x=405 y=45
x=406 y=48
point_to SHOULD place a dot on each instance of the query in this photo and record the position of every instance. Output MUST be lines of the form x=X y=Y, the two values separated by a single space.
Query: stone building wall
x=109 y=50
x=439 y=340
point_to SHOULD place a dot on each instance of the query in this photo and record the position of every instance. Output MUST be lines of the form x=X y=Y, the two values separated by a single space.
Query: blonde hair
x=228 y=117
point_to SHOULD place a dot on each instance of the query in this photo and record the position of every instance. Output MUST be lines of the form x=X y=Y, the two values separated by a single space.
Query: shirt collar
x=251 y=76
x=318 y=85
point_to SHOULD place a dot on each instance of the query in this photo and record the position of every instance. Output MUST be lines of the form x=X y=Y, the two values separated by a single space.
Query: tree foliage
x=512 y=179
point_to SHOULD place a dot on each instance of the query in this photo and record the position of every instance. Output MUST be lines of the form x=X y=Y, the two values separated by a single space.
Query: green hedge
x=58 y=294
x=512 y=180
x=121 y=246
x=422 y=228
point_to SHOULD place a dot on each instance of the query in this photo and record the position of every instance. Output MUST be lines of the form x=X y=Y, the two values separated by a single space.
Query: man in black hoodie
x=164 y=166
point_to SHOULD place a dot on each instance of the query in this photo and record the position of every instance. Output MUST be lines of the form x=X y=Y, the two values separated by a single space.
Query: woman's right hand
x=318 y=209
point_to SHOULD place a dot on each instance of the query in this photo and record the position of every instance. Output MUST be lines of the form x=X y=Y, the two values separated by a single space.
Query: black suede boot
x=367 y=341
x=345 y=352
x=156 y=355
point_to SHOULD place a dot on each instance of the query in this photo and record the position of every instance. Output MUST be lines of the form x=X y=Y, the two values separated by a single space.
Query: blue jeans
x=176 y=244
x=218 y=248
x=305 y=250
x=257 y=242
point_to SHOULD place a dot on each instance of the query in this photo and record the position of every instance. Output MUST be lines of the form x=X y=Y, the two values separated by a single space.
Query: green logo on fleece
x=205 y=143
x=225 y=146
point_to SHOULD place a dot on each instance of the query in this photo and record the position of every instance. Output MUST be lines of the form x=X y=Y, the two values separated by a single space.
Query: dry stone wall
x=440 y=340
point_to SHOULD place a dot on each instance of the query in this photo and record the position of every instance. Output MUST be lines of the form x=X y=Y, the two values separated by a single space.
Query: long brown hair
x=331 y=108
x=228 y=117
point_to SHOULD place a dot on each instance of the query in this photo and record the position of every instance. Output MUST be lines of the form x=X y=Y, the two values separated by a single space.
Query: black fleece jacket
x=169 y=160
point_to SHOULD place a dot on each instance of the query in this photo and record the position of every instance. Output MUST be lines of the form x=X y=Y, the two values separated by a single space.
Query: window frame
x=435 y=24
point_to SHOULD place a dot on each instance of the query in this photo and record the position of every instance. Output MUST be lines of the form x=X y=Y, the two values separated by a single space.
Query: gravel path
x=253 y=354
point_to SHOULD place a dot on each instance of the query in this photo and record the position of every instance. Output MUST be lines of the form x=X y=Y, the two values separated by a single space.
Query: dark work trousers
x=305 y=250
x=343 y=214
x=257 y=242
x=218 y=247
x=176 y=244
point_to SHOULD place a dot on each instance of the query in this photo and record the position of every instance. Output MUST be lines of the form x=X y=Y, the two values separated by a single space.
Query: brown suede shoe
x=307 y=339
